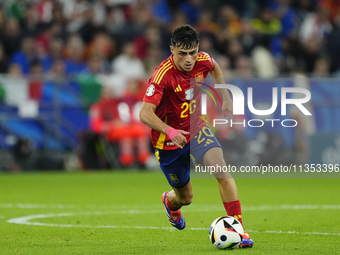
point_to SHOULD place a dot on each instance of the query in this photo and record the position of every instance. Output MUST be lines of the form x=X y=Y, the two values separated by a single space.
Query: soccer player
x=169 y=107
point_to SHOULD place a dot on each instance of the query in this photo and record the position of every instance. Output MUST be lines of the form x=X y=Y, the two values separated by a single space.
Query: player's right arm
x=147 y=116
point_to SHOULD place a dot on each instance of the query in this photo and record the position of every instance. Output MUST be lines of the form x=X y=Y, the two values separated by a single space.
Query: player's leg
x=226 y=183
x=173 y=201
x=228 y=190
x=206 y=150
x=176 y=169
x=182 y=196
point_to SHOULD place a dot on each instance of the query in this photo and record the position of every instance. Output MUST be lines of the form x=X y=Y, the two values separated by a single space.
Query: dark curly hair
x=184 y=36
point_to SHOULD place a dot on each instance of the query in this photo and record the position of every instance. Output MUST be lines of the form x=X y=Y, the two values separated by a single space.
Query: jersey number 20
x=188 y=108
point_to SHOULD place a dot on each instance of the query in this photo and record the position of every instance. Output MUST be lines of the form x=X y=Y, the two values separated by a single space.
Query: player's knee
x=225 y=181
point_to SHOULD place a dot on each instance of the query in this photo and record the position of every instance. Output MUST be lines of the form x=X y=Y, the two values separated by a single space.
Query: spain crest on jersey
x=189 y=94
x=199 y=79
x=174 y=178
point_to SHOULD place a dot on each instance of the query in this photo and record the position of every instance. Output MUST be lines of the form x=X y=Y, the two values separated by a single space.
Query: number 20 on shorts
x=202 y=136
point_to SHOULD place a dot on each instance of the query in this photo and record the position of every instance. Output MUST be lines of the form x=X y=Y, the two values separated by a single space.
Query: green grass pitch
x=121 y=213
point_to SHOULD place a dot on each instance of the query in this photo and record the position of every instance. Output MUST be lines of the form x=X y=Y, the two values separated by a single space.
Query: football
x=226 y=232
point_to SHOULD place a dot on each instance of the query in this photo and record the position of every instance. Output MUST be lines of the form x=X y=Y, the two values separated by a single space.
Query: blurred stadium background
x=64 y=63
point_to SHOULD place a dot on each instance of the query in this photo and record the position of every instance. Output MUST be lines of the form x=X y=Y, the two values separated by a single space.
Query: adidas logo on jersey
x=178 y=89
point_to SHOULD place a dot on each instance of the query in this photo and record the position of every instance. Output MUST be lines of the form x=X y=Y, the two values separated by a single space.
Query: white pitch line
x=29 y=206
x=194 y=208
x=212 y=207
x=26 y=221
x=293 y=232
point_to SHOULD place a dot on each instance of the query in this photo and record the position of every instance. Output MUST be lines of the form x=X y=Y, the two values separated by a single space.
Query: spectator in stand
x=291 y=55
x=75 y=55
x=179 y=18
x=262 y=60
x=206 y=24
x=128 y=64
x=161 y=11
x=48 y=35
x=207 y=45
x=243 y=68
x=138 y=18
x=334 y=8
x=267 y=23
x=89 y=28
x=223 y=38
x=286 y=14
x=59 y=18
x=192 y=9
x=310 y=52
x=55 y=52
x=26 y=55
x=44 y=11
x=11 y=37
x=102 y=46
x=89 y=82
x=155 y=56
x=321 y=67
x=316 y=25
x=15 y=86
x=234 y=50
x=35 y=80
x=303 y=8
x=3 y=60
x=247 y=37
x=2 y=20
x=100 y=8
x=30 y=24
x=288 y=18
x=227 y=17
x=14 y=9
x=59 y=89
x=116 y=20
x=224 y=63
x=152 y=37
x=74 y=12
x=332 y=47
x=112 y=118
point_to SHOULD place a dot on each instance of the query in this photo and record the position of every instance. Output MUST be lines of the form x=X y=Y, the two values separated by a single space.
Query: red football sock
x=233 y=208
x=170 y=206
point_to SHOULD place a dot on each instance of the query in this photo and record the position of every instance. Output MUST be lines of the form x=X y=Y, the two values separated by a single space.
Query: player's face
x=184 y=59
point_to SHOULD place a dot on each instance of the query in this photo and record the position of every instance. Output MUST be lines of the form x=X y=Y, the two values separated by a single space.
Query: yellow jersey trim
x=164 y=72
x=172 y=61
x=157 y=156
x=161 y=138
x=161 y=70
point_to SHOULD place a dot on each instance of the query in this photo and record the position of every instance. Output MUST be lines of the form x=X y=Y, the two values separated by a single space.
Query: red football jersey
x=178 y=102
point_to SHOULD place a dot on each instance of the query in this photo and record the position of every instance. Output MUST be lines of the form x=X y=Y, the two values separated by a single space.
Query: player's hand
x=227 y=106
x=179 y=140
x=177 y=136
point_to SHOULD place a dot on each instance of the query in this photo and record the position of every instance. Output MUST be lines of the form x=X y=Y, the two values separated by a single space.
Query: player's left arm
x=217 y=75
